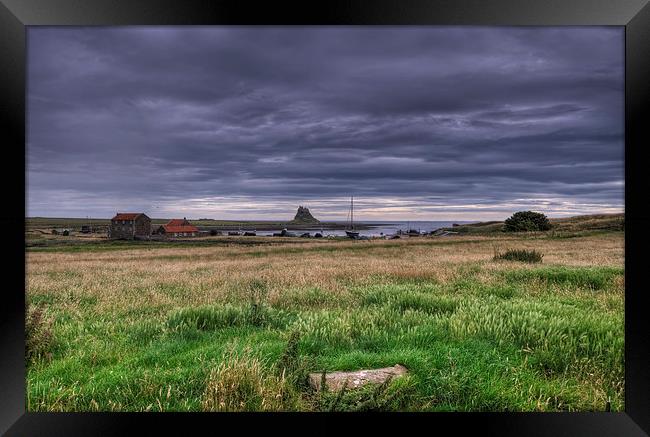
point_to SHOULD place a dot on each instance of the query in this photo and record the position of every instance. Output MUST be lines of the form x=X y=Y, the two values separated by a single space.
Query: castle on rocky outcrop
x=303 y=216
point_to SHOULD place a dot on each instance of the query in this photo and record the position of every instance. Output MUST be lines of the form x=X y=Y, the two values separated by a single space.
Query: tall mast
x=352 y=212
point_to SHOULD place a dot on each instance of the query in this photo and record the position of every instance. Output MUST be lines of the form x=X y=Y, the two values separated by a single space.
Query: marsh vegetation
x=238 y=327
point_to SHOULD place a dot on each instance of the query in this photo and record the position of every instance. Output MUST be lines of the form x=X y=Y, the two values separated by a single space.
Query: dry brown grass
x=179 y=277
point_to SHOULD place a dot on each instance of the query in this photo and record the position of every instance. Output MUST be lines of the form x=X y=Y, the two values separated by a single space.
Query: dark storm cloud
x=218 y=121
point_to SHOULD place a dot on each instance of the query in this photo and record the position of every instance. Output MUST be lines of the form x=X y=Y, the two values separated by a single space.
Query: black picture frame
x=16 y=15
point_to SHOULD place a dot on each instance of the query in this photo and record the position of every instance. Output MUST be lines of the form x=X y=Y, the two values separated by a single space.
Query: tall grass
x=239 y=328
x=243 y=383
x=559 y=336
x=211 y=317
x=39 y=339
x=593 y=278
x=523 y=255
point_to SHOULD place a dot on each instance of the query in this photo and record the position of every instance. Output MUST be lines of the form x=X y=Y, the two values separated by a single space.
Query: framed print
x=237 y=212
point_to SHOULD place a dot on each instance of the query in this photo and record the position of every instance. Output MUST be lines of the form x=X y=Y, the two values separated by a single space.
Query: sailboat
x=350 y=232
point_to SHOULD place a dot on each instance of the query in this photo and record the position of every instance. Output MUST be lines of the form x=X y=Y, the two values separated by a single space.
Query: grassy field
x=193 y=327
x=46 y=224
x=76 y=223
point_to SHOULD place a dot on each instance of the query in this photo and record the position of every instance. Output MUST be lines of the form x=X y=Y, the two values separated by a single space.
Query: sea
x=379 y=228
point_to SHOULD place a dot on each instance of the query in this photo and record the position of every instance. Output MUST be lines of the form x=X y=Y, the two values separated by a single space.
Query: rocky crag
x=303 y=216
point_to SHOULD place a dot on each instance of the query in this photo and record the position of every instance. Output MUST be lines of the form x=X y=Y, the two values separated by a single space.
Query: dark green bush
x=523 y=255
x=523 y=221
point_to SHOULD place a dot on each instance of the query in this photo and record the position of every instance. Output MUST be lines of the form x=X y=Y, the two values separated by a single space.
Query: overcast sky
x=418 y=123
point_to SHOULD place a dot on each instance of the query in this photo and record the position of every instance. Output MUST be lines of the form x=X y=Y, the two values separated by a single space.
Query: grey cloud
x=465 y=115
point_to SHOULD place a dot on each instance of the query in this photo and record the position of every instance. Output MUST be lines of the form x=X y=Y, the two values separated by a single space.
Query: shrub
x=38 y=334
x=527 y=221
x=523 y=255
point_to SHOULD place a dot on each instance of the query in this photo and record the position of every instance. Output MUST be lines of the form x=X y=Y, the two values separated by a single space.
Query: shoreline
x=332 y=226
x=203 y=225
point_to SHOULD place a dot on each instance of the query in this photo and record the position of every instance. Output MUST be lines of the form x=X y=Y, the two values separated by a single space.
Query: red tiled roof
x=178 y=222
x=126 y=215
x=179 y=229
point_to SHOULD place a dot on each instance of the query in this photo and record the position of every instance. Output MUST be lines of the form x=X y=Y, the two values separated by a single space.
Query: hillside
x=580 y=223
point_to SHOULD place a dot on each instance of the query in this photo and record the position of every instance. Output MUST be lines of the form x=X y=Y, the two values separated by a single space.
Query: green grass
x=510 y=338
x=596 y=278
x=466 y=350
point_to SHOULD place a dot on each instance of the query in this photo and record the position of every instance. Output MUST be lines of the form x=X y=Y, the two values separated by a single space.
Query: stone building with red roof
x=129 y=226
x=178 y=228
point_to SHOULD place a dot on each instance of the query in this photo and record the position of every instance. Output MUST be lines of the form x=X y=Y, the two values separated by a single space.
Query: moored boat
x=350 y=231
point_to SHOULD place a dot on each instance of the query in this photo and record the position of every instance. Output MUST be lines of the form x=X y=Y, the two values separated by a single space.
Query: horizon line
x=323 y=221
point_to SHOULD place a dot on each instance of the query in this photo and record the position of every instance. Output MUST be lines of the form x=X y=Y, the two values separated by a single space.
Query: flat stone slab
x=335 y=381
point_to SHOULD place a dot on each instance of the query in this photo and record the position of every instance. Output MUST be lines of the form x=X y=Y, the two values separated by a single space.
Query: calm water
x=380 y=228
